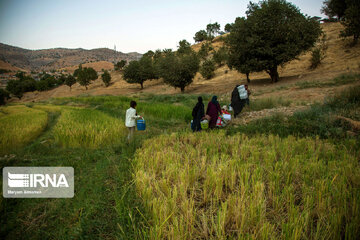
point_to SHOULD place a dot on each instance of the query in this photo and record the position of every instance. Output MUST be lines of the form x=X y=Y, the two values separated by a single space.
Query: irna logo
x=35 y=180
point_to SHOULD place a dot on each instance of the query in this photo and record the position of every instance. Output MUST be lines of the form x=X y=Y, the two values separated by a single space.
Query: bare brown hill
x=49 y=59
x=339 y=59
x=9 y=67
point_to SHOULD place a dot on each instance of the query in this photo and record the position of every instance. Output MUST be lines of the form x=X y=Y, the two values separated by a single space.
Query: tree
x=85 y=76
x=228 y=27
x=220 y=56
x=119 y=65
x=70 y=80
x=200 y=36
x=4 y=95
x=207 y=69
x=140 y=71
x=204 y=50
x=106 y=77
x=351 y=20
x=212 y=30
x=14 y=87
x=334 y=8
x=274 y=33
x=178 y=70
x=184 y=47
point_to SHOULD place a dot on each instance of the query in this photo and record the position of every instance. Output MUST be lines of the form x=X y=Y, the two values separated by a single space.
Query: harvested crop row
x=212 y=186
x=19 y=125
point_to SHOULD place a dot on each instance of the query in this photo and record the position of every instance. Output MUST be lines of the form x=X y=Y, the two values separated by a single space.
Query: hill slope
x=339 y=59
x=56 y=58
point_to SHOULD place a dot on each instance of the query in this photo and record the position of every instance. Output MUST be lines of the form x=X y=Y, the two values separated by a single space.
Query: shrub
x=207 y=69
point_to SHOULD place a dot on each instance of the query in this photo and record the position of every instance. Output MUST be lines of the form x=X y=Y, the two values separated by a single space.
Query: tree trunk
x=273 y=72
x=86 y=87
x=182 y=89
x=247 y=77
x=142 y=85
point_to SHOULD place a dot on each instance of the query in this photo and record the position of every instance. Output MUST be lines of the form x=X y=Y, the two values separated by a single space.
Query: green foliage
x=4 y=95
x=338 y=81
x=204 y=50
x=46 y=82
x=85 y=76
x=14 y=87
x=351 y=20
x=4 y=71
x=334 y=8
x=228 y=27
x=319 y=52
x=184 y=47
x=221 y=56
x=200 y=36
x=106 y=77
x=120 y=65
x=212 y=30
x=70 y=80
x=274 y=33
x=207 y=69
x=179 y=69
x=140 y=71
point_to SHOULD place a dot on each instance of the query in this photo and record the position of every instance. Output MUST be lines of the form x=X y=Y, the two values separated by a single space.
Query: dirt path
x=247 y=117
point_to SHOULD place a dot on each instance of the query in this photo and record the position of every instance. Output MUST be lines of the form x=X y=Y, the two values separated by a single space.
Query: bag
x=227 y=117
x=242 y=92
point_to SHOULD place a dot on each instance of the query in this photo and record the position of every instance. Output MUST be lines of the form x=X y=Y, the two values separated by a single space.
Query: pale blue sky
x=133 y=25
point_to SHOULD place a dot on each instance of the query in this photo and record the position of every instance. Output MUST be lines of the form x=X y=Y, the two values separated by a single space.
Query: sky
x=133 y=26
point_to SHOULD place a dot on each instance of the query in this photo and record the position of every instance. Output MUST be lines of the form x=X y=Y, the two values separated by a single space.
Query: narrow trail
x=246 y=117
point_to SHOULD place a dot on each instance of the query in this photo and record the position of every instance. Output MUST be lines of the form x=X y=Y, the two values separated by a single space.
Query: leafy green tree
x=140 y=71
x=205 y=50
x=46 y=82
x=228 y=27
x=4 y=95
x=212 y=30
x=70 y=80
x=334 y=8
x=177 y=69
x=184 y=47
x=220 y=56
x=351 y=21
x=149 y=54
x=106 y=77
x=207 y=69
x=84 y=76
x=120 y=65
x=275 y=32
x=200 y=36
x=14 y=87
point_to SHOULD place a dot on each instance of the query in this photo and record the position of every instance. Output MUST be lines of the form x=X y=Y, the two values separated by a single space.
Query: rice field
x=88 y=128
x=19 y=125
x=213 y=186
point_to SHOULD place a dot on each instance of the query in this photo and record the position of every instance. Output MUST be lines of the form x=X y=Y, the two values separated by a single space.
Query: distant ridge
x=56 y=58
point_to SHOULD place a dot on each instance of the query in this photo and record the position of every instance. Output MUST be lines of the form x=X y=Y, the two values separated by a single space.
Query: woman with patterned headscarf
x=213 y=110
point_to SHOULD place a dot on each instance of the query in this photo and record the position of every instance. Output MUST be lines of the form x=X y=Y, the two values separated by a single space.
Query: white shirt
x=131 y=117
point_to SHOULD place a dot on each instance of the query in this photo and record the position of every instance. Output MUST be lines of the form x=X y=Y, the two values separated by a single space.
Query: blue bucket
x=141 y=125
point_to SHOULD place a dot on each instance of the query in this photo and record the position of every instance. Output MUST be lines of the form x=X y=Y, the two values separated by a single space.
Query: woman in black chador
x=236 y=103
x=198 y=115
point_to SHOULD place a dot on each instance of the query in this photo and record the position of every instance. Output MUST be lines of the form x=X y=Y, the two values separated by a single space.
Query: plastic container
x=141 y=126
x=204 y=124
x=191 y=124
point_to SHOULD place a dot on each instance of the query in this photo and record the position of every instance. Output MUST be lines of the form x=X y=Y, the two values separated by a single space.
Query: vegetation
x=207 y=69
x=120 y=65
x=259 y=187
x=200 y=36
x=19 y=125
x=204 y=51
x=318 y=53
x=140 y=71
x=84 y=76
x=212 y=30
x=255 y=44
x=106 y=77
x=178 y=69
x=338 y=81
x=70 y=80
x=4 y=95
x=220 y=56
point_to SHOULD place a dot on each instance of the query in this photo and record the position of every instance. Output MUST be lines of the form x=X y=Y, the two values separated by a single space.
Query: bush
x=4 y=95
x=106 y=77
x=207 y=69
